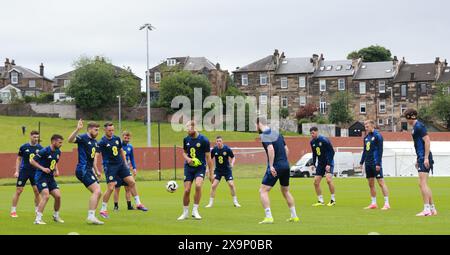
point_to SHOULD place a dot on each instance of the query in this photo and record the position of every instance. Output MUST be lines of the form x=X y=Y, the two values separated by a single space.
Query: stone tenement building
x=197 y=65
x=380 y=90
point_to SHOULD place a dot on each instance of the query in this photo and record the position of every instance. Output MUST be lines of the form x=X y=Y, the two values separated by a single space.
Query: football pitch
x=347 y=217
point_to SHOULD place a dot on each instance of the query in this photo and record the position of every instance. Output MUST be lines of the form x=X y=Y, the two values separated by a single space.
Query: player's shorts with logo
x=227 y=174
x=45 y=181
x=120 y=182
x=24 y=176
x=191 y=173
x=283 y=174
x=371 y=172
x=116 y=171
x=321 y=171
x=86 y=176
x=421 y=165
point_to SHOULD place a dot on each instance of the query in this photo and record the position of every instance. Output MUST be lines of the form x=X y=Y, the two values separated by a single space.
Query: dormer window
x=349 y=67
x=363 y=66
x=338 y=68
x=322 y=68
x=329 y=68
x=171 y=62
x=14 y=78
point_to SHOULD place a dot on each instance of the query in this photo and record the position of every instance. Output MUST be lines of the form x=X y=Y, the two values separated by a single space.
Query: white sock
x=374 y=200
x=13 y=209
x=137 y=200
x=104 y=206
x=91 y=213
x=386 y=200
x=320 y=198
x=268 y=213
x=195 y=208
x=426 y=207
x=432 y=207
x=56 y=214
x=293 y=212
x=35 y=209
x=38 y=216
x=211 y=200
x=185 y=209
x=235 y=199
x=333 y=198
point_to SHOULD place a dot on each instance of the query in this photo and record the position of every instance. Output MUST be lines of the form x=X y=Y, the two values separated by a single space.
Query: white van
x=343 y=164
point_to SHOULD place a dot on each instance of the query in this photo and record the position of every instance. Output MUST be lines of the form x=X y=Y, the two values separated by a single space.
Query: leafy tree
x=440 y=107
x=182 y=83
x=372 y=53
x=284 y=113
x=340 y=112
x=306 y=112
x=95 y=84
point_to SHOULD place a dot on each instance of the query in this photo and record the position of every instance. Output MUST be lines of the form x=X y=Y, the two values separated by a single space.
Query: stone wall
x=65 y=111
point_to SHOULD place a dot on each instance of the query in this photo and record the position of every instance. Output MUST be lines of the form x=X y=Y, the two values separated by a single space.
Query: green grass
x=347 y=217
x=11 y=136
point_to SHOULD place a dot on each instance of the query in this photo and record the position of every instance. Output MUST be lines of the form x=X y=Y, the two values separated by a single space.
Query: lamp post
x=120 y=114
x=148 y=27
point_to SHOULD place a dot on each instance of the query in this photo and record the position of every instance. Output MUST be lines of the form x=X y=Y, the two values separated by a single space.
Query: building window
x=302 y=81
x=302 y=100
x=362 y=108
x=32 y=84
x=380 y=122
x=14 y=78
x=382 y=86
x=341 y=84
x=323 y=85
x=263 y=79
x=171 y=62
x=284 y=82
x=382 y=106
x=404 y=90
x=403 y=108
x=284 y=101
x=423 y=88
x=263 y=99
x=66 y=83
x=362 y=87
x=244 y=79
x=323 y=106
x=157 y=77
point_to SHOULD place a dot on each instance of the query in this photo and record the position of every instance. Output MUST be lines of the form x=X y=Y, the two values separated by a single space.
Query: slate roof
x=375 y=70
x=295 y=65
x=334 y=68
x=422 y=72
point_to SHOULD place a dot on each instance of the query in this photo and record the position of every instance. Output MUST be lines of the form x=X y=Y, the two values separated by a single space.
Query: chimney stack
x=13 y=63
x=7 y=64
x=445 y=63
x=395 y=61
x=413 y=76
x=41 y=69
x=217 y=66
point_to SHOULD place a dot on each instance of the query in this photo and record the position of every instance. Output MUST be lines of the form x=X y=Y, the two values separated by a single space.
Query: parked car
x=343 y=164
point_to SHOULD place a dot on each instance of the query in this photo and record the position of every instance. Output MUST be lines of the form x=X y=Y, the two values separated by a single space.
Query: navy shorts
x=282 y=174
x=113 y=172
x=24 y=176
x=87 y=177
x=45 y=181
x=422 y=168
x=228 y=175
x=120 y=182
x=191 y=173
x=371 y=172
x=321 y=171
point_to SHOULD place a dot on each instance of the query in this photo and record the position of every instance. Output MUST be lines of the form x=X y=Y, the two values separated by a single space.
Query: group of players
x=40 y=166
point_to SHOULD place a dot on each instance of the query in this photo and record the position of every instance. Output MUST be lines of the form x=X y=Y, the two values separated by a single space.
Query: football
x=171 y=186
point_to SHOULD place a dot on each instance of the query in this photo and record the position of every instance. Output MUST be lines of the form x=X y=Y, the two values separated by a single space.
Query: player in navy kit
x=129 y=153
x=25 y=171
x=46 y=164
x=196 y=155
x=277 y=169
x=372 y=159
x=114 y=159
x=87 y=171
x=424 y=161
x=222 y=154
x=323 y=152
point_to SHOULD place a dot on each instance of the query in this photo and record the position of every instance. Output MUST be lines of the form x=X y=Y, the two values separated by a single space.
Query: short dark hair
x=219 y=137
x=262 y=120
x=108 y=124
x=313 y=129
x=92 y=124
x=410 y=114
x=56 y=137
x=34 y=132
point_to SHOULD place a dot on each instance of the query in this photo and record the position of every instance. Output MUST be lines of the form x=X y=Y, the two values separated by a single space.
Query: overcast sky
x=231 y=32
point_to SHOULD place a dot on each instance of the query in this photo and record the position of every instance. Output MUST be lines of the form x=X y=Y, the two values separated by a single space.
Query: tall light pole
x=120 y=114
x=148 y=27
